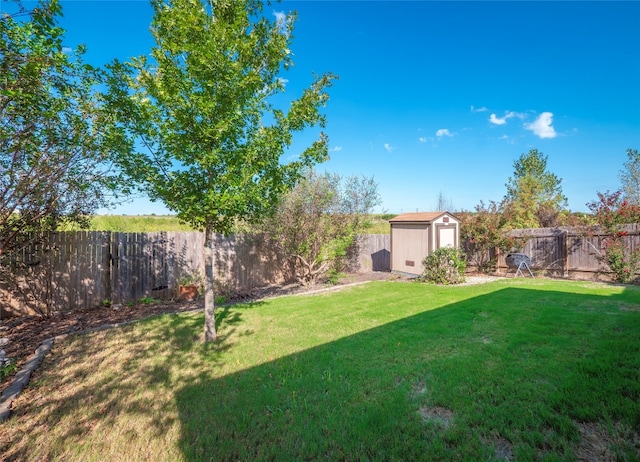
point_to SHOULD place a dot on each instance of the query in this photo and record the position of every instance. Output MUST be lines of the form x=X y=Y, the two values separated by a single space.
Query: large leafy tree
x=318 y=221
x=56 y=136
x=202 y=112
x=534 y=195
x=630 y=177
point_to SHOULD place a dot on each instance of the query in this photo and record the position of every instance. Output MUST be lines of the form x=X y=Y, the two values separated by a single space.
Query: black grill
x=519 y=262
x=514 y=260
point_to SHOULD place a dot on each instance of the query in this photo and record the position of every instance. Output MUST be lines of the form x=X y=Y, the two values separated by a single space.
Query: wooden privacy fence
x=59 y=271
x=79 y=270
x=567 y=252
x=371 y=252
x=153 y=264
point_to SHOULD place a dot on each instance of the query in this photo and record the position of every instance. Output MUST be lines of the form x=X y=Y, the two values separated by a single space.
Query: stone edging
x=21 y=379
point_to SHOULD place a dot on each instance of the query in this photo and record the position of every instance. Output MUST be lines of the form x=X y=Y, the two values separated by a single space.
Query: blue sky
x=443 y=97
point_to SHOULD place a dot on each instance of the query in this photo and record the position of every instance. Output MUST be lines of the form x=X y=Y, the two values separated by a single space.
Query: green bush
x=334 y=276
x=445 y=265
x=488 y=266
x=623 y=262
x=7 y=367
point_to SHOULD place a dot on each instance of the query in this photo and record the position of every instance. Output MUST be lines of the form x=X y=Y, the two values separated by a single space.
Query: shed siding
x=415 y=235
x=409 y=246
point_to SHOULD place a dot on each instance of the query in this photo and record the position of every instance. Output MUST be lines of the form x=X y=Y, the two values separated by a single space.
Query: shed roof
x=419 y=217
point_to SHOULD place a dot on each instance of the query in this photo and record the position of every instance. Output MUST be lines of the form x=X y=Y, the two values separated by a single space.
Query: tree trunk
x=209 y=301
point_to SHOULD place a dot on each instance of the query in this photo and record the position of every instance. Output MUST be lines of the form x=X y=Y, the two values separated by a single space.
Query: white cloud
x=443 y=132
x=283 y=82
x=478 y=109
x=281 y=21
x=281 y=17
x=507 y=139
x=494 y=119
x=388 y=147
x=422 y=139
x=542 y=126
x=335 y=149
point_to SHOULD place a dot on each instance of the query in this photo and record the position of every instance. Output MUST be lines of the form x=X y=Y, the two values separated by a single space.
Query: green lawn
x=512 y=370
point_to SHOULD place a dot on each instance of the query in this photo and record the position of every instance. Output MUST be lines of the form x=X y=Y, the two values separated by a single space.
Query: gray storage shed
x=415 y=235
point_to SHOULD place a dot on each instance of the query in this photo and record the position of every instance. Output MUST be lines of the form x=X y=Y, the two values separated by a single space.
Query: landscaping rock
x=22 y=379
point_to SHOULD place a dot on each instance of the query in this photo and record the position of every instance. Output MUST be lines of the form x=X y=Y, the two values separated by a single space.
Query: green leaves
x=630 y=177
x=445 y=265
x=317 y=222
x=534 y=195
x=57 y=136
x=612 y=212
x=199 y=110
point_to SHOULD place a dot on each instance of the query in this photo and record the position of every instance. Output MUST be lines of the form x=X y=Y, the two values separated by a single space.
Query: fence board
x=75 y=270
x=583 y=252
x=372 y=252
x=246 y=261
x=64 y=271
x=568 y=252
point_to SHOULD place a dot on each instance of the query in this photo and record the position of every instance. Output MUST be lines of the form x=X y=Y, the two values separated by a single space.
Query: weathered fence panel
x=544 y=246
x=568 y=252
x=245 y=261
x=371 y=252
x=582 y=253
x=76 y=270
x=65 y=270
x=150 y=264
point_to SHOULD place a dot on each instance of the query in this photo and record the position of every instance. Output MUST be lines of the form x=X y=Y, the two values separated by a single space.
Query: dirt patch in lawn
x=438 y=415
x=597 y=443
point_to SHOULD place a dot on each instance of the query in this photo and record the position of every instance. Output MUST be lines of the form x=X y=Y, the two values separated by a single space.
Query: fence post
x=114 y=267
x=105 y=265
x=565 y=253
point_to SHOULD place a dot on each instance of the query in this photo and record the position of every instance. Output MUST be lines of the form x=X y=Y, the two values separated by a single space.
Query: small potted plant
x=190 y=287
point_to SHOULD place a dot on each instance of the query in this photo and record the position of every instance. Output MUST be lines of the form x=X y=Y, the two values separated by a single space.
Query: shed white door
x=447 y=237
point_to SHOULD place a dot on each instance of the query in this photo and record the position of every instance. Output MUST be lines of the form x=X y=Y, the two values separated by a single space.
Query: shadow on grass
x=508 y=374
x=503 y=375
x=109 y=383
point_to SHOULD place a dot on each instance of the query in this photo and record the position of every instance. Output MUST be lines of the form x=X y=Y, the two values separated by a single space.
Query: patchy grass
x=512 y=370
